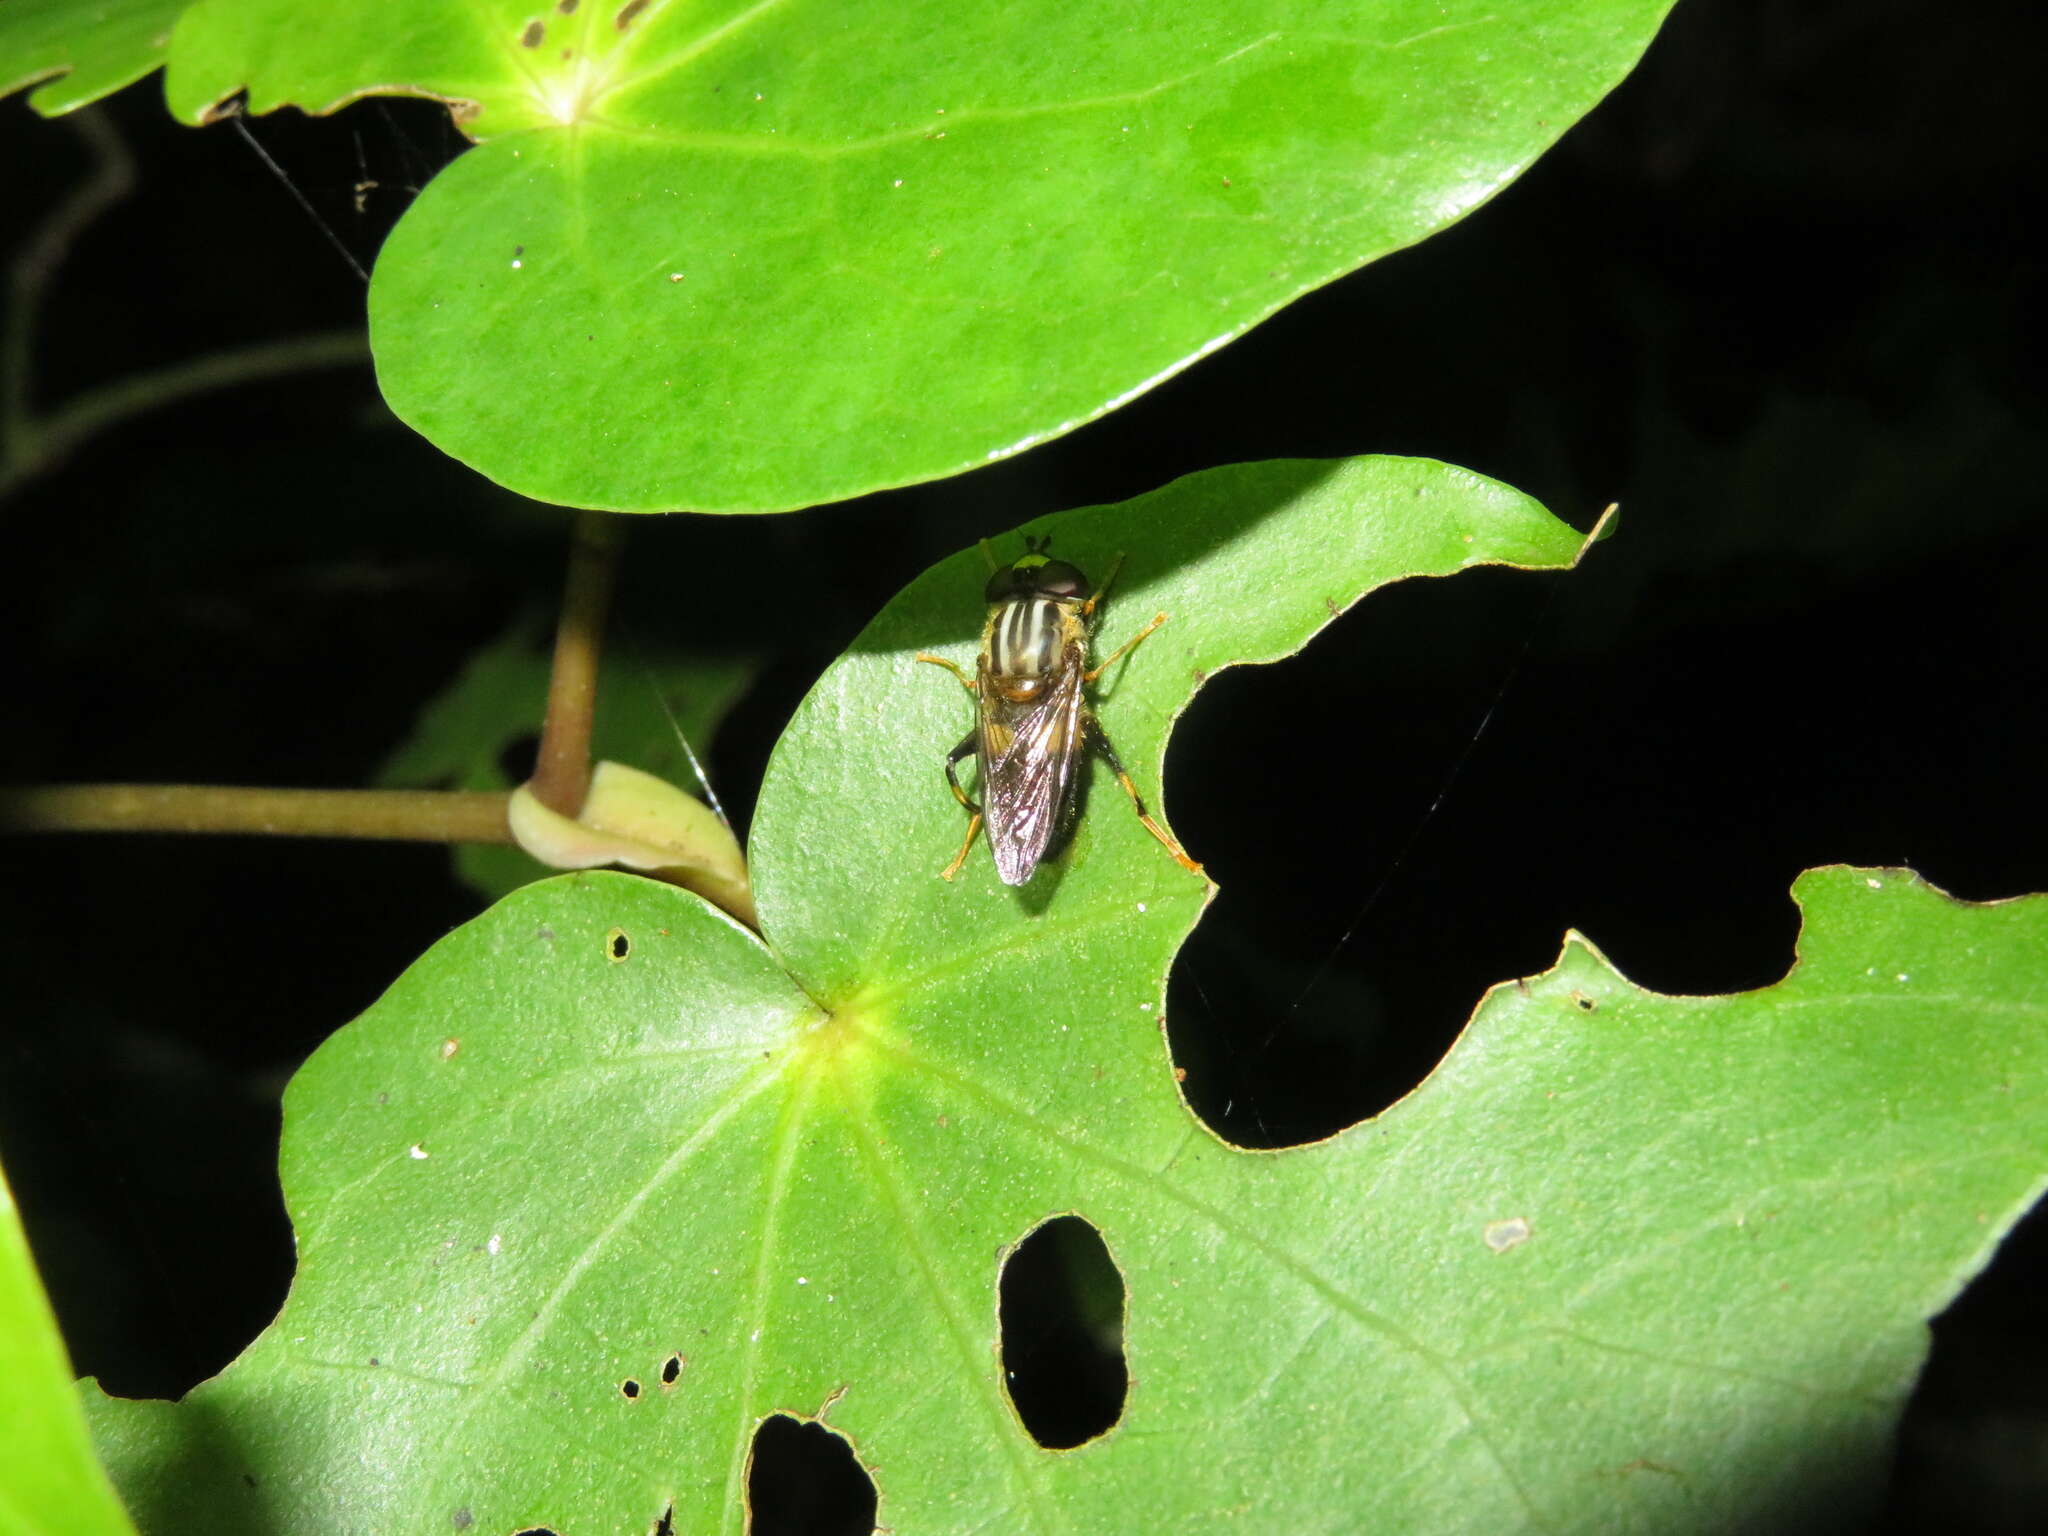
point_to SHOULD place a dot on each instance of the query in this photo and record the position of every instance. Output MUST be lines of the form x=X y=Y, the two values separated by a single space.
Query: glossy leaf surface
x=75 y=53
x=754 y=256
x=1625 y=1262
x=50 y=1482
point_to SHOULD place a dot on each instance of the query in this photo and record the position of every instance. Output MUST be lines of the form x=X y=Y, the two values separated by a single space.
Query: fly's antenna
x=988 y=553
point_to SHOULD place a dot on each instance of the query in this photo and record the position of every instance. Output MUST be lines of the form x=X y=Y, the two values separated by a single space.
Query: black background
x=1777 y=296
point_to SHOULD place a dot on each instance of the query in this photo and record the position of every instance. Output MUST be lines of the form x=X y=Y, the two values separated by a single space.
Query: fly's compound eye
x=1056 y=578
x=1007 y=583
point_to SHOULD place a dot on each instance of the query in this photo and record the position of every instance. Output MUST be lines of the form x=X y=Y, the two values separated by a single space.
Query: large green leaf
x=1625 y=1262
x=758 y=254
x=50 y=1483
x=81 y=51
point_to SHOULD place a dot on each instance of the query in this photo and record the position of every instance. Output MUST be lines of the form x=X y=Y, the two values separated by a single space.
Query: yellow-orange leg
x=968 y=743
x=954 y=667
x=1165 y=837
x=1110 y=660
x=1137 y=803
x=1088 y=608
x=966 y=847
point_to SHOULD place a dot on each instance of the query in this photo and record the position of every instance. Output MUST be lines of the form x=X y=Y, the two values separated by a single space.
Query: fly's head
x=1037 y=574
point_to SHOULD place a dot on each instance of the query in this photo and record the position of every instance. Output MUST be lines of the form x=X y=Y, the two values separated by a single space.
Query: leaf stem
x=34 y=267
x=561 y=774
x=412 y=815
x=32 y=445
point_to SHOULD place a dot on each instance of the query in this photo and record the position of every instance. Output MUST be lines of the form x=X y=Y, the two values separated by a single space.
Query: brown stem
x=35 y=266
x=414 y=815
x=39 y=444
x=561 y=775
x=32 y=444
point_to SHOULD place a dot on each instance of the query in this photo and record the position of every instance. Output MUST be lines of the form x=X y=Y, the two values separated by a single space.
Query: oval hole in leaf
x=1061 y=1307
x=803 y=1480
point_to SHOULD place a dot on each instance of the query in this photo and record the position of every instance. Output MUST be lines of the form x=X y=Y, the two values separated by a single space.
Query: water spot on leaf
x=531 y=37
x=804 y=1480
x=616 y=945
x=1061 y=1309
x=462 y=1519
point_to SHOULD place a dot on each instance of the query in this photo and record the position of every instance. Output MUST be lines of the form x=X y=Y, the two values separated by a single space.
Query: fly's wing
x=1029 y=753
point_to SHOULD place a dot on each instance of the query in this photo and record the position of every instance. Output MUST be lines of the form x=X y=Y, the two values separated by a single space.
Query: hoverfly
x=1033 y=727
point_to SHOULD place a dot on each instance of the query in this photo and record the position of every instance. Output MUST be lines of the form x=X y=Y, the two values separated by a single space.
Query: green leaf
x=50 y=1483
x=81 y=52
x=653 y=711
x=754 y=256
x=1624 y=1262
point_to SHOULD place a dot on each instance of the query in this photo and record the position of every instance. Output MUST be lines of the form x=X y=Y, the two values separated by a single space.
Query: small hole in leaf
x=671 y=1370
x=803 y=1480
x=519 y=756
x=616 y=945
x=1061 y=1306
x=1586 y=1004
x=535 y=1530
x=666 y=1525
x=629 y=1389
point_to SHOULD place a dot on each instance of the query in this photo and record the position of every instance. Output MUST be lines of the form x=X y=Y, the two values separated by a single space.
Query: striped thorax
x=1025 y=644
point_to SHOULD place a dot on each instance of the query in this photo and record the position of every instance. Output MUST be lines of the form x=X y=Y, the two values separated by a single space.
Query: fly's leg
x=967 y=745
x=1124 y=779
x=1109 y=660
x=952 y=667
x=1088 y=608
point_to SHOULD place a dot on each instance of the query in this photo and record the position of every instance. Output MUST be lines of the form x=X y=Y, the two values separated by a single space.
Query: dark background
x=1773 y=296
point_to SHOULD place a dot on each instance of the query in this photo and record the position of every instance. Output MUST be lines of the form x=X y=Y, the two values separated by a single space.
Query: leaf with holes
x=81 y=53
x=654 y=712
x=49 y=1481
x=604 y=1182
x=758 y=254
